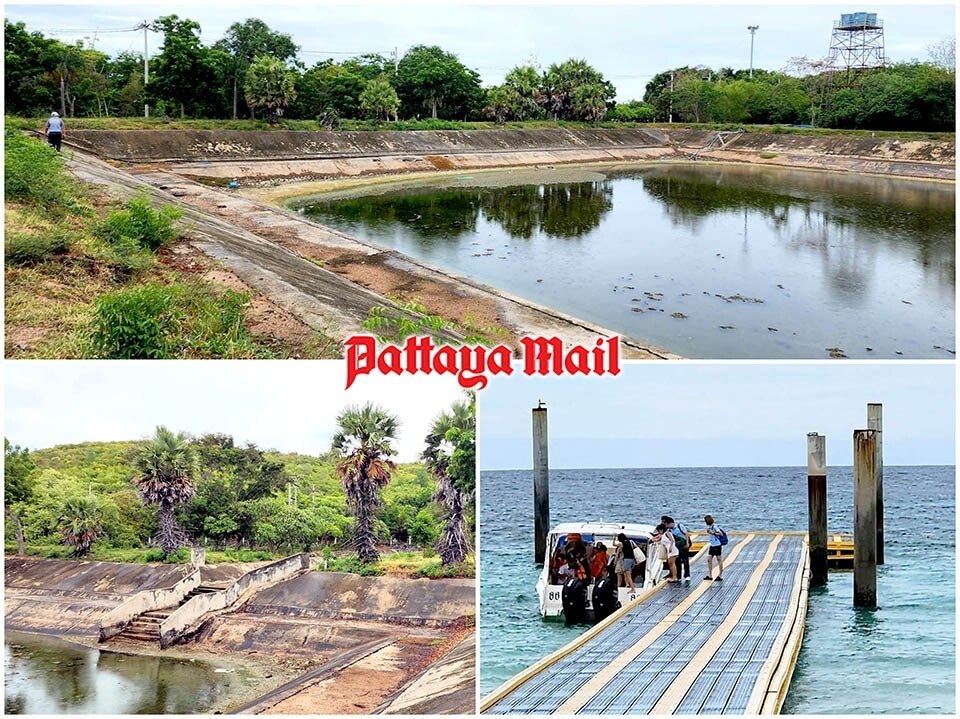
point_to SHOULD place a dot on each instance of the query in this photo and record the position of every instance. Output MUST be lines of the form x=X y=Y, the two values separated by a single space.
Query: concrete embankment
x=69 y=598
x=291 y=156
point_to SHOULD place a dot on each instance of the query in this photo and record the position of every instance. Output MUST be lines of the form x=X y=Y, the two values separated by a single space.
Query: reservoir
x=704 y=260
x=49 y=676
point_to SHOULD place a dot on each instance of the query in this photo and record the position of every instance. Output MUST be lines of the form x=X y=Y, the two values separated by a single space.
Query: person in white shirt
x=665 y=537
x=54 y=130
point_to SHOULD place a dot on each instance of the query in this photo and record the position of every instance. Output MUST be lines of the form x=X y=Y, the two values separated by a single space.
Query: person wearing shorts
x=716 y=549
x=624 y=561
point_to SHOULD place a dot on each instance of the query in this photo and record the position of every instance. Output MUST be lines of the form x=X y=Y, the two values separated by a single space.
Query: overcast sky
x=628 y=43
x=680 y=414
x=285 y=405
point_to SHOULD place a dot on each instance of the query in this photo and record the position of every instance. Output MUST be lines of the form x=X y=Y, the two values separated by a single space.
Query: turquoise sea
x=899 y=659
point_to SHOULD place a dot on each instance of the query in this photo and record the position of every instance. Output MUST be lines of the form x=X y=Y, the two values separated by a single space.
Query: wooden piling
x=865 y=518
x=875 y=421
x=817 y=504
x=541 y=484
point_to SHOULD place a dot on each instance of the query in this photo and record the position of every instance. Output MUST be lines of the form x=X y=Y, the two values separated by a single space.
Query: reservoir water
x=898 y=659
x=707 y=260
x=44 y=675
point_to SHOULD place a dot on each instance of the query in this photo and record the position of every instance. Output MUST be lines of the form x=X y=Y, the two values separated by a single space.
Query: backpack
x=722 y=536
x=679 y=536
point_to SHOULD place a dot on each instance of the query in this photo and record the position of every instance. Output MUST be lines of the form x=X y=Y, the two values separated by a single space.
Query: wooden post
x=541 y=484
x=865 y=518
x=875 y=421
x=817 y=503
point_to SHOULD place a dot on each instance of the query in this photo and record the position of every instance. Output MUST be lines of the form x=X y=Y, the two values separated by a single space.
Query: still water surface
x=898 y=659
x=709 y=261
x=47 y=676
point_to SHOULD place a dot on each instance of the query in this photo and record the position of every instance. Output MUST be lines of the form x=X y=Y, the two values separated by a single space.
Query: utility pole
x=146 y=70
x=753 y=31
x=671 y=97
x=396 y=60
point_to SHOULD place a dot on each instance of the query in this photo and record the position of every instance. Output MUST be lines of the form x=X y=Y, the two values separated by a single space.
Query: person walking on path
x=624 y=561
x=54 y=130
x=682 y=537
x=716 y=548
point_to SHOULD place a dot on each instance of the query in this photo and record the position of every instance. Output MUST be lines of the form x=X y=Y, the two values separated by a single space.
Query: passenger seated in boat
x=559 y=569
x=576 y=552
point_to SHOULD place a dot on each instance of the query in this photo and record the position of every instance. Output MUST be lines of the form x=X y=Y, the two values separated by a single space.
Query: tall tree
x=18 y=470
x=81 y=523
x=561 y=82
x=269 y=84
x=247 y=41
x=166 y=467
x=364 y=443
x=429 y=77
x=184 y=72
x=451 y=437
x=380 y=99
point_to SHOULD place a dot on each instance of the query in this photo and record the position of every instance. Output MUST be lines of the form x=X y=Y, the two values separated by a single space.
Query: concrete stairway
x=146 y=626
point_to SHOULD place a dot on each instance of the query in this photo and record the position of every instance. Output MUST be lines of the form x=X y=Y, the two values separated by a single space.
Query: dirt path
x=330 y=281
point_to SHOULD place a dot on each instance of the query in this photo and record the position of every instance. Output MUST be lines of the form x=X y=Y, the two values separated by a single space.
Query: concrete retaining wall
x=189 y=617
x=166 y=145
x=114 y=621
x=336 y=595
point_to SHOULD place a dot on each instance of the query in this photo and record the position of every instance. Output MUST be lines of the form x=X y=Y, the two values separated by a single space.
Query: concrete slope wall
x=154 y=145
x=81 y=578
x=349 y=596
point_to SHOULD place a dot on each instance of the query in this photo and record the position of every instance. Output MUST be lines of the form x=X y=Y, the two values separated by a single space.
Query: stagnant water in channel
x=48 y=676
x=710 y=261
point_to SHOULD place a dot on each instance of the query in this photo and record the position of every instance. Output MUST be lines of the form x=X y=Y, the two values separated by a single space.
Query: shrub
x=135 y=323
x=214 y=321
x=33 y=172
x=140 y=223
x=353 y=565
x=30 y=248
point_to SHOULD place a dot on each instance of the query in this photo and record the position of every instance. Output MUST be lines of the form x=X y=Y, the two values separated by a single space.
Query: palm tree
x=448 y=428
x=166 y=467
x=81 y=523
x=363 y=445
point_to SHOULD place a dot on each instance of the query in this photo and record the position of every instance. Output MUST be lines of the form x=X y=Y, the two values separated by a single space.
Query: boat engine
x=574 y=601
x=605 y=601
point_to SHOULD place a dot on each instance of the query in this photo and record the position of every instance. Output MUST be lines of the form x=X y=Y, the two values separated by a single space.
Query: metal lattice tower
x=857 y=42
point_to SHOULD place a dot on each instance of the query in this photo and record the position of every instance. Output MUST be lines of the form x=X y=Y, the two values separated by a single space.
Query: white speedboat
x=550 y=584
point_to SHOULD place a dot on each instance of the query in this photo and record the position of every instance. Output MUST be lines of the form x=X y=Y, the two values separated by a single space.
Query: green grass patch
x=226 y=556
x=102 y=553
x=353 y=565
x=435 y=570
x=768 y=155
x=33 y=173
x=139 y=225
x=411 y=319
x=156 y=321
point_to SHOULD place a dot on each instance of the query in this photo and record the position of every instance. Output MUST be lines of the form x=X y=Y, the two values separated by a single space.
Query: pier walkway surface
x=703 y=648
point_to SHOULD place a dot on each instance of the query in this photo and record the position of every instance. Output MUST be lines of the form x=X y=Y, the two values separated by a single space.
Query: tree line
x=173 y=490
x=254 y=69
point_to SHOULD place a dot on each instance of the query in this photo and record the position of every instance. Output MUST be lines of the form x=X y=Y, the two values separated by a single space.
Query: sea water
x=897 y=659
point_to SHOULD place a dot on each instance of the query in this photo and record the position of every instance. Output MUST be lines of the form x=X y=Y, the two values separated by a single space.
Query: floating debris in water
x=773 y=329
x=655 y=296
x=739 y=298
x=679 y=316
x=728 y=327
x=945 y=349
x=906 y=302
x=637 y=309
x=836 y=352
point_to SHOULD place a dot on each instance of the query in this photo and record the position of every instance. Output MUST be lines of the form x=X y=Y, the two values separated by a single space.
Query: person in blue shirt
x=715 y=550
x=54 y=130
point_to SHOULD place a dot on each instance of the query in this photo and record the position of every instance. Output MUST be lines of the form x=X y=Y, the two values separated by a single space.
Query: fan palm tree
x=363 y=443
x=166 y=467
x=453 y=544
x=81 y=523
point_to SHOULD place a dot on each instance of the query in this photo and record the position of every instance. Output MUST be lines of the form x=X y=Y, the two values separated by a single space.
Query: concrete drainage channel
x=285 y=691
